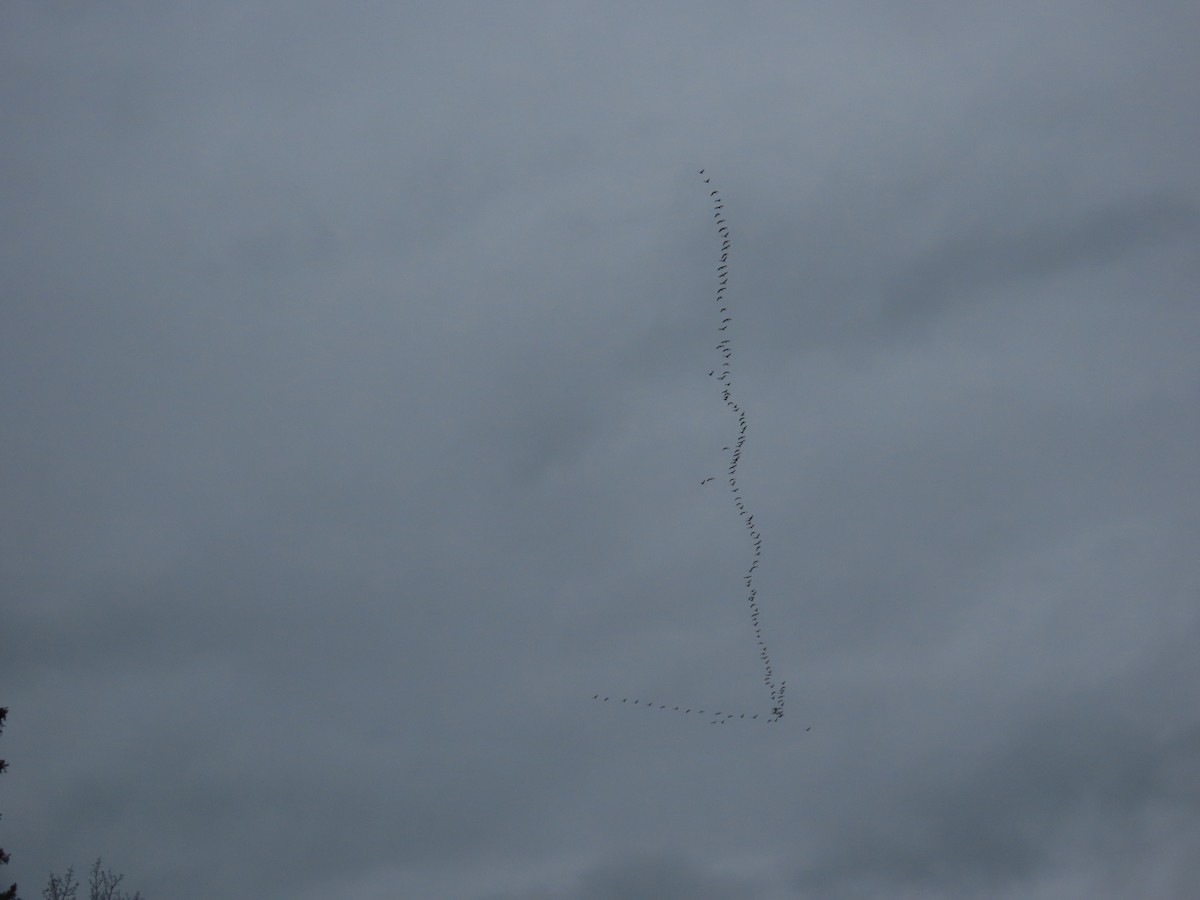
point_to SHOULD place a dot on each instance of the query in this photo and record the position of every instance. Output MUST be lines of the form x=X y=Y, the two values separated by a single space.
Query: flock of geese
x=723 y=375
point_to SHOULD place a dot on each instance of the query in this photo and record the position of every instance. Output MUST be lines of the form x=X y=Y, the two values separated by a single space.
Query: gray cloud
x=663 y=875
x=1001 y=262
x=992 y=822
x=353 y=371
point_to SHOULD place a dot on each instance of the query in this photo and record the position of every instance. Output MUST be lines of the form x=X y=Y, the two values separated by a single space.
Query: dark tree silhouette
x=102 y=885
x=11 y=893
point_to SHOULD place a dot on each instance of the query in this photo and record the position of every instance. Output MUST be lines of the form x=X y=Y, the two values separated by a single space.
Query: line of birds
x=720 y=718
x=776 y=691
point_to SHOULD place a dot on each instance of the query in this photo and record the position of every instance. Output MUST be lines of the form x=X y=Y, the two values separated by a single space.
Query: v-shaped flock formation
x=724 y=376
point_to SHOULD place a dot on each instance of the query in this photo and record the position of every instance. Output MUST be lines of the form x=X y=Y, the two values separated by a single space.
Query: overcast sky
x=354 y=386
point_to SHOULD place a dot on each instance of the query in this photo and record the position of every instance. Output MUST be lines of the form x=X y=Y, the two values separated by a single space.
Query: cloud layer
x=356 y=407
